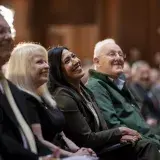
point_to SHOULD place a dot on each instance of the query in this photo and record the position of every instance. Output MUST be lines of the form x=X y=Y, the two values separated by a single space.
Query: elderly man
x=113 y=97
x=16 y=138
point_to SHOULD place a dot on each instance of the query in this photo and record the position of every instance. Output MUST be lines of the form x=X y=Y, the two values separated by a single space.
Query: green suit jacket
x=118 y=106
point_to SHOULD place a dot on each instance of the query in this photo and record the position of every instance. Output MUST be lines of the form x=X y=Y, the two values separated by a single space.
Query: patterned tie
x=23 y=126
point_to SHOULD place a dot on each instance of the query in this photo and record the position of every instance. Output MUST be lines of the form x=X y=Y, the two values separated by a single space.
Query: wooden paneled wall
x=132 y=23
x=80 y=24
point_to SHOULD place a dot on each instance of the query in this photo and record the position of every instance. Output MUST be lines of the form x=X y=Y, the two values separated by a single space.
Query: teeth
x=77 y=67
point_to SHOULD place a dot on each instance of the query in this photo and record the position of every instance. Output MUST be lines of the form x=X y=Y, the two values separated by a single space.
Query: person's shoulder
x=62 y=91
x=93 y=80
x=95 y=77
x=21 y=94
x=13 y=86
x=16 y=92
x=94 y=83
x=31 y=98
x=66 y=99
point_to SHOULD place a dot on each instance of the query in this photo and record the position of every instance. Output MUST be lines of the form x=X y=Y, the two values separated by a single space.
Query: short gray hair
x=136 y=65
x=8 y=15
x=100 y=44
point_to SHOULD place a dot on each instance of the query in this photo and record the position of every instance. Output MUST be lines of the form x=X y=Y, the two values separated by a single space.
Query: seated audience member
x=151 y=105
x=16 y=138
x=84 y=122
x=28 y=69
x=141 y=81
x=112 y=95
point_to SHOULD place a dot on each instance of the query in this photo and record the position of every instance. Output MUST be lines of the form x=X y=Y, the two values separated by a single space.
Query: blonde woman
x=28 y=69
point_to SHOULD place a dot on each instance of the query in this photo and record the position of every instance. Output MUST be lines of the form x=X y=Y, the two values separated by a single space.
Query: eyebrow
x=65 y=58
x=68 y=56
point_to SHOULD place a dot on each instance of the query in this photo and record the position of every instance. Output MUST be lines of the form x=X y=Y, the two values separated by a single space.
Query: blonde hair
x=100 y=44
x=18 y=70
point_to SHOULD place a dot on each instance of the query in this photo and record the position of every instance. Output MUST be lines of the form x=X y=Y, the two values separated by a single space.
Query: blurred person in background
x=141 y=80
x=151 y=105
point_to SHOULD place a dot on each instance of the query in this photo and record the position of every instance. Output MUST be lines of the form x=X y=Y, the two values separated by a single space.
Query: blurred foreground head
x=7 y=34
x=141 y=73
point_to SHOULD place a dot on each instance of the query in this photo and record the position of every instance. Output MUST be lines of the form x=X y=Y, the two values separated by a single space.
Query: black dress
x=37 y=114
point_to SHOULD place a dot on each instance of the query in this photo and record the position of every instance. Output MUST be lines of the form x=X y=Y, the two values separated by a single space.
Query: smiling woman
x=71 y=67
x=27 y=62
x=28 y=69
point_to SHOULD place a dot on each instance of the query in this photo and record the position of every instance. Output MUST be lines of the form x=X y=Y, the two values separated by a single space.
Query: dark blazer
x=11 y=144
x=80 y=124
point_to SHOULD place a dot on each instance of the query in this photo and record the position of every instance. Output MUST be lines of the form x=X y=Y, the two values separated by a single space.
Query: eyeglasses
x=113 y=54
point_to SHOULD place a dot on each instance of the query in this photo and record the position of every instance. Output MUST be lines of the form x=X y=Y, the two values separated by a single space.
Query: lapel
x=19 y=98
x=86 y=106
x=102 y=123
x=101 y=119
x=7 y=109
x=17 y=95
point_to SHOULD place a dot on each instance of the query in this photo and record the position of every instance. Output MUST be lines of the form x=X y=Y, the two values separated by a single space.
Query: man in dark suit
x=16 y=138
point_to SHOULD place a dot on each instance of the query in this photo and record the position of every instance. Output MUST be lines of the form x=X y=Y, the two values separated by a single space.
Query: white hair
x=100 y=44
x=8 y=15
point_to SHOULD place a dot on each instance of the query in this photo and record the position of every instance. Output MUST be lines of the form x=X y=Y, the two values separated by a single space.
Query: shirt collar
x=119 y=82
